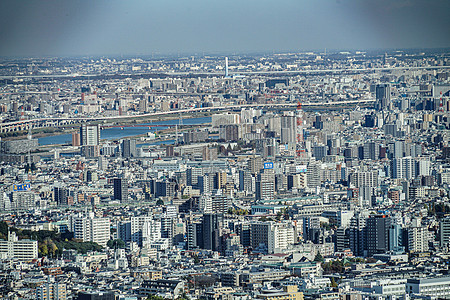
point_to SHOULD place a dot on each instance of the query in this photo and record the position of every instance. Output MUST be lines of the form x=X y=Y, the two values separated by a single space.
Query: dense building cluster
x=326 y=179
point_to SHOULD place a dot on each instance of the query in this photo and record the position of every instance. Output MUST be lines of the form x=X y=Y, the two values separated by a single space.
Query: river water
x=118 y=133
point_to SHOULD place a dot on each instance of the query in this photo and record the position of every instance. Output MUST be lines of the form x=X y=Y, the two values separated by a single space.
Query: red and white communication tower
x=300 y=141
x=441 y=104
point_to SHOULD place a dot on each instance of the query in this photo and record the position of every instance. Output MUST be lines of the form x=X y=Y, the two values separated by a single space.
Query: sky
x=145 y=27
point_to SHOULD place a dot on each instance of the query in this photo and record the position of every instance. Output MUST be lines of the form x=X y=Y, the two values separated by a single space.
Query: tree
x=319 y=257
x=116 y=244
x=159 y=202
x=333 y=282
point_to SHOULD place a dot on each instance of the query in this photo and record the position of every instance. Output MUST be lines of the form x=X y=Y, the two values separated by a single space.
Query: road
x=58 y=121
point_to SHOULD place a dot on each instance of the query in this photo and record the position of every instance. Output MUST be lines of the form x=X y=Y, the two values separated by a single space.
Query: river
x=119 y=133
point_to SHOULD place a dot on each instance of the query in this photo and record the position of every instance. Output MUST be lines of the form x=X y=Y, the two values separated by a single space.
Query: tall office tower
x=259 y=235
x=378 y=234
x=129 y=148
x=444 y=233
x=398 y=149
x=220 y=180
x=311 y=229
x=60 y=195
x=423 y=167
x=90 y=135
x=404 y=167
x=288 y=129
x=245 y=180
x=88 y=228
x=120 y=189
x=371 y=150
x=226 y=66
x=319 y=152
x=357 y=234
x=51 y=291
x=396 y=239
x=143 y=105
x=383 y=96
x=211 y=227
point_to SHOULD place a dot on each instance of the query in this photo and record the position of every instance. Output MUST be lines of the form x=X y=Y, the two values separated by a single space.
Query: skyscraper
x=383 y=96
x=288 y=129
x=120 y=189
x=90 y=135
x=90 y=140
x=211 y=231
x=129 y=148
x=378 y=234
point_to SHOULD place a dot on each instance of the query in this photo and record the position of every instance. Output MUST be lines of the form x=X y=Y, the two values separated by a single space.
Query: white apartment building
x=14 y=248
x=88 y=228
x=435 y=287
x=280 y=237
x=418 y=239
x=225 y=119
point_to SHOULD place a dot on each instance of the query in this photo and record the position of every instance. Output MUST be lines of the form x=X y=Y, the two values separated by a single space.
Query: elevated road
x=59 y=121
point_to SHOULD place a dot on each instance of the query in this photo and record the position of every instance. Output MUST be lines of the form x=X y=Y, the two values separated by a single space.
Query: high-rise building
x=211 y=227
x=288 y=129
x=129 y=148
x=280 y=237
x=378 y=234
x=367 y=178
x=383 y=96
x=90 y=135
x=444 y=233
x=76 y=139
x=120 y=189
x=229 y=132
x=89 y=228
x=60 y=195
x=357 y=234
x=417 y=237
x=403 y=167
x=371 y=150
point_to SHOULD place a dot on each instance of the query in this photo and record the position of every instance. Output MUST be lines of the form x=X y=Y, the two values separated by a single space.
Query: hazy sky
x=102 y=27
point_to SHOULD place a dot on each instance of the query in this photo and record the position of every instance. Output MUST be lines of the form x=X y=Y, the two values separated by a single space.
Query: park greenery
x=50 y=243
